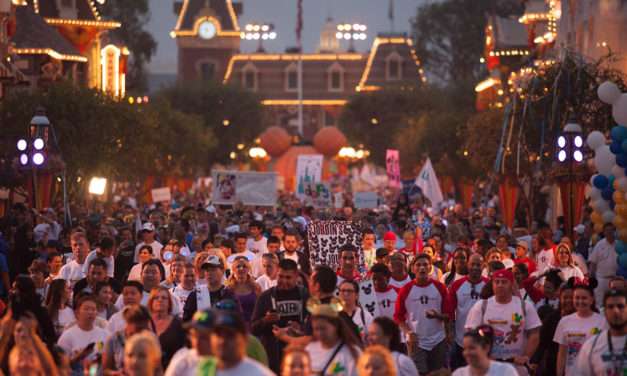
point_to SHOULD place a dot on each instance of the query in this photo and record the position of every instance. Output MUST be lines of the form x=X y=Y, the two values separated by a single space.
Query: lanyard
x=615 y=358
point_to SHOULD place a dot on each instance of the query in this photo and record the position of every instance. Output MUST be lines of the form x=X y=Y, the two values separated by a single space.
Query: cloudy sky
x=283 y=14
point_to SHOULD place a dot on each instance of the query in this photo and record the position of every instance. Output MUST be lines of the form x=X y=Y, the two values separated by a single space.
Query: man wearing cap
x=207 y=296
x=148 y=238
x=185 y=361
x=522 y=256
x=389 y=241
x=228 y=340
x=515 y=322
x=280 y=306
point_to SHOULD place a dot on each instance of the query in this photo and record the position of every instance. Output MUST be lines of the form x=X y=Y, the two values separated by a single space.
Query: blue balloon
x=620 y=247
x=607 y=193
x=618 y=133
x=621 y=271
x=600 y=181
x=623 y=146
x=616 y=147
x=621 y=159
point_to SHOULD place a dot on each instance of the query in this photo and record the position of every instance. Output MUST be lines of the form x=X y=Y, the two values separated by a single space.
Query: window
x=329 y=119
x=394 y=67
x=249 y=77
x=291 y=78
x=207 y=71
x=336 y=78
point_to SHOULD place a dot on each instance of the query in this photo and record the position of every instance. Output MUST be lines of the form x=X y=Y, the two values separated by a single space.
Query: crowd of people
x=207 y=290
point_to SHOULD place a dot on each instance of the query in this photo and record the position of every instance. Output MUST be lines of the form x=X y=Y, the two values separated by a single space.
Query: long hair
x=381 y=352
x=231 y=282
x=54 y=297
x=345 y=333
x=390 y=329
x=153 y=295
x=570 y=262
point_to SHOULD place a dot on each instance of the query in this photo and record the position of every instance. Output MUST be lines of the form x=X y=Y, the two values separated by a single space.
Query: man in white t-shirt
x=73 y=270
x=385 y=294
x=604 y=354
x=515 y=323
x=147 y=234
x=185 y=361
x=463 y=295
x=187 y=285
x=421 y=312
x=104 y=251
x=240 y=249
x=273 y=247
x=131 y=294
x=603 y=265
x=270 y=265
x=257 y=243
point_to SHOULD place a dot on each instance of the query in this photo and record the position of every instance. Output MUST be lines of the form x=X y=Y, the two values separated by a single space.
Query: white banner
x=161 y=194
x=250 y=188
x=308 y=170
x=428 y=183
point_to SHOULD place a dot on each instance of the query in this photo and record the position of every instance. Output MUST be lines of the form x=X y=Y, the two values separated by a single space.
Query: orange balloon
x=595 y=217
x=619 y=197
x=622 y=234
x=598 y=228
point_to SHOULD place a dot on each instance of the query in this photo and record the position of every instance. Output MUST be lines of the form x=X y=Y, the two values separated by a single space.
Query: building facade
x=208 y=40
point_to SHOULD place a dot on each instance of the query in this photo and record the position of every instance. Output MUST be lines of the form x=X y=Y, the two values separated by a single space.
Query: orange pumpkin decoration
x=329 y=141
x=275 y=140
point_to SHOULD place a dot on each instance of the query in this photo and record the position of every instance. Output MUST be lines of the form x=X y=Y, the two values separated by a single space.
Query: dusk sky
x=282 y=13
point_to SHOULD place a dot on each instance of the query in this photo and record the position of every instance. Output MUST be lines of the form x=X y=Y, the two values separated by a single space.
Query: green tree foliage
x=97 y=135
x=134 y=16
x=233 y=115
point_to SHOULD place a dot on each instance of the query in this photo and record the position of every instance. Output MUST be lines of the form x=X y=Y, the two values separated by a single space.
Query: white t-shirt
x=183 y=363
x=257 y=246
x=399 y=284
x=370 y=257
x=404 y=365
x=343 y=364
x=248 y=367
x=386 y=301
x=181 y=294
x=545 y=259
x=593 y=361
x=177 y=309
x=74 y=340
x=508 y=323
x=604 y=256
x=362 y=319
x=136 y=273
x=572 y=331
x=109 y=260
x=116 y=322
x=72 y=272
x=463 y=295
x=571 y=271
x=265 y=282
x=156 y=250
x=496 y=369
x=65 y=317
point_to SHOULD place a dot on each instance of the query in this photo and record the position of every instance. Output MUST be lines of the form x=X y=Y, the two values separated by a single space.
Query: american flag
x=299 y=24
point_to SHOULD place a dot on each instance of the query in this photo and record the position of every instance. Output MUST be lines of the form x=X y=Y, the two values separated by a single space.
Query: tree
x=134 y=16
x=232 y=114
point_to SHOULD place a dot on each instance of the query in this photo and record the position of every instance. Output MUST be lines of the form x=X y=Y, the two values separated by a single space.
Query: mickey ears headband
x=331 y=309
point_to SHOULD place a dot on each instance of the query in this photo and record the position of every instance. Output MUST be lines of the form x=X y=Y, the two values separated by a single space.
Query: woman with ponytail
x=574 y=329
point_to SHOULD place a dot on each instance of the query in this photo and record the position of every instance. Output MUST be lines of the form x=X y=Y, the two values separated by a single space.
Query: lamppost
x=569 y=154
x=351 y=33
x=259 y=32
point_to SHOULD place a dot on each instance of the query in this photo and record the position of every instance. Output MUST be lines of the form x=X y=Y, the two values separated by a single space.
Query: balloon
x=600 y=206
x=623 y=144
x=607 y=193
x=595 y=194
x=608 y=92
x=600 y=181
x=608 y=216
x=595 y=140
x=621 y=271
x=616 y=147
x=604 y=160
x=598 y=228
x=618 y=197
x=619 y=222
x=595 y=217
x=621 y=211
x=618 y=133
x=618 y=171
x=621 y=185
x=622 y=260
x=622 y=234
x=621 y=159
x=619 y=110
x=621 y=247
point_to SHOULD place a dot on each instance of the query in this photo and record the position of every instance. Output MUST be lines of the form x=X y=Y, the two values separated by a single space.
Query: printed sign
x=327 y=237
x=366 y=200
x=393 y=166
x=318 y=195
x=250 y=188
x=308 y=171
x=367 y=297
x=161 y=194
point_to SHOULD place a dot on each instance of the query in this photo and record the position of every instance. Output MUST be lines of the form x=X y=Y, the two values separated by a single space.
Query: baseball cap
x=522 y=243
x=504 y=274
x=579 y=229
x=201 y=320
x=389 y=236
x=229 y=320
x=148 y=226
x=212 y=260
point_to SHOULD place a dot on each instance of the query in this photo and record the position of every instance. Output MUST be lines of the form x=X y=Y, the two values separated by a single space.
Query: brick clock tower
x=207 y=36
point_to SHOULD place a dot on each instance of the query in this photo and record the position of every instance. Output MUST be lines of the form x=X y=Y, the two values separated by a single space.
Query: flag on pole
x=391 y=14
x=299 y=25
x=428 y=183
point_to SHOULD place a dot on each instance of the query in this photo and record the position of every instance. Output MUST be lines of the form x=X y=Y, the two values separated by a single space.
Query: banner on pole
x=327 y=237
x=393 y=166
x=161 y=194
x=250 y=188
x=428 y=183
x=308 y=170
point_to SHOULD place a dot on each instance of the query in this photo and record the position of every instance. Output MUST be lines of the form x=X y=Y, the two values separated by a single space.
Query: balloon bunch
x=609 y=185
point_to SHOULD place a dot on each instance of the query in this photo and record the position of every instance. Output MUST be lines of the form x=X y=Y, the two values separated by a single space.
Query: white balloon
x=595 y=194
x=600 y=205
x=608 y=216
x=622 y=184
x=595 y=140
x=619 y=110
x=604 y=160
x=618 y=171
x=608 y=92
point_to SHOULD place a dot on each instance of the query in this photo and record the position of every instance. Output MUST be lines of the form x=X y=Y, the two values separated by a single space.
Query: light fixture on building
x=259 y=32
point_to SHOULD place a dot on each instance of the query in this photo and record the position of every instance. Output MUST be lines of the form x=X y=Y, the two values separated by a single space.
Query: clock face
x=207 y=30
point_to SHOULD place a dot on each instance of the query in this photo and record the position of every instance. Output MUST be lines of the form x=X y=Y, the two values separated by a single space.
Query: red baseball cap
x=390 y=235
x=504 y=274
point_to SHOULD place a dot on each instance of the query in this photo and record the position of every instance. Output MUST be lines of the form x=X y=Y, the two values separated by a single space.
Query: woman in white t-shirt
x=566 y=264
x=334 y=349
x=385 y=332
x=574 y=329
x=477 y=346
x=61 y=314
x=145 y=253
x=349 y=293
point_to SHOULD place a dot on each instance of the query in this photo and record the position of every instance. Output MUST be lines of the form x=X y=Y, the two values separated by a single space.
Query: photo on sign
x=226 y=186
